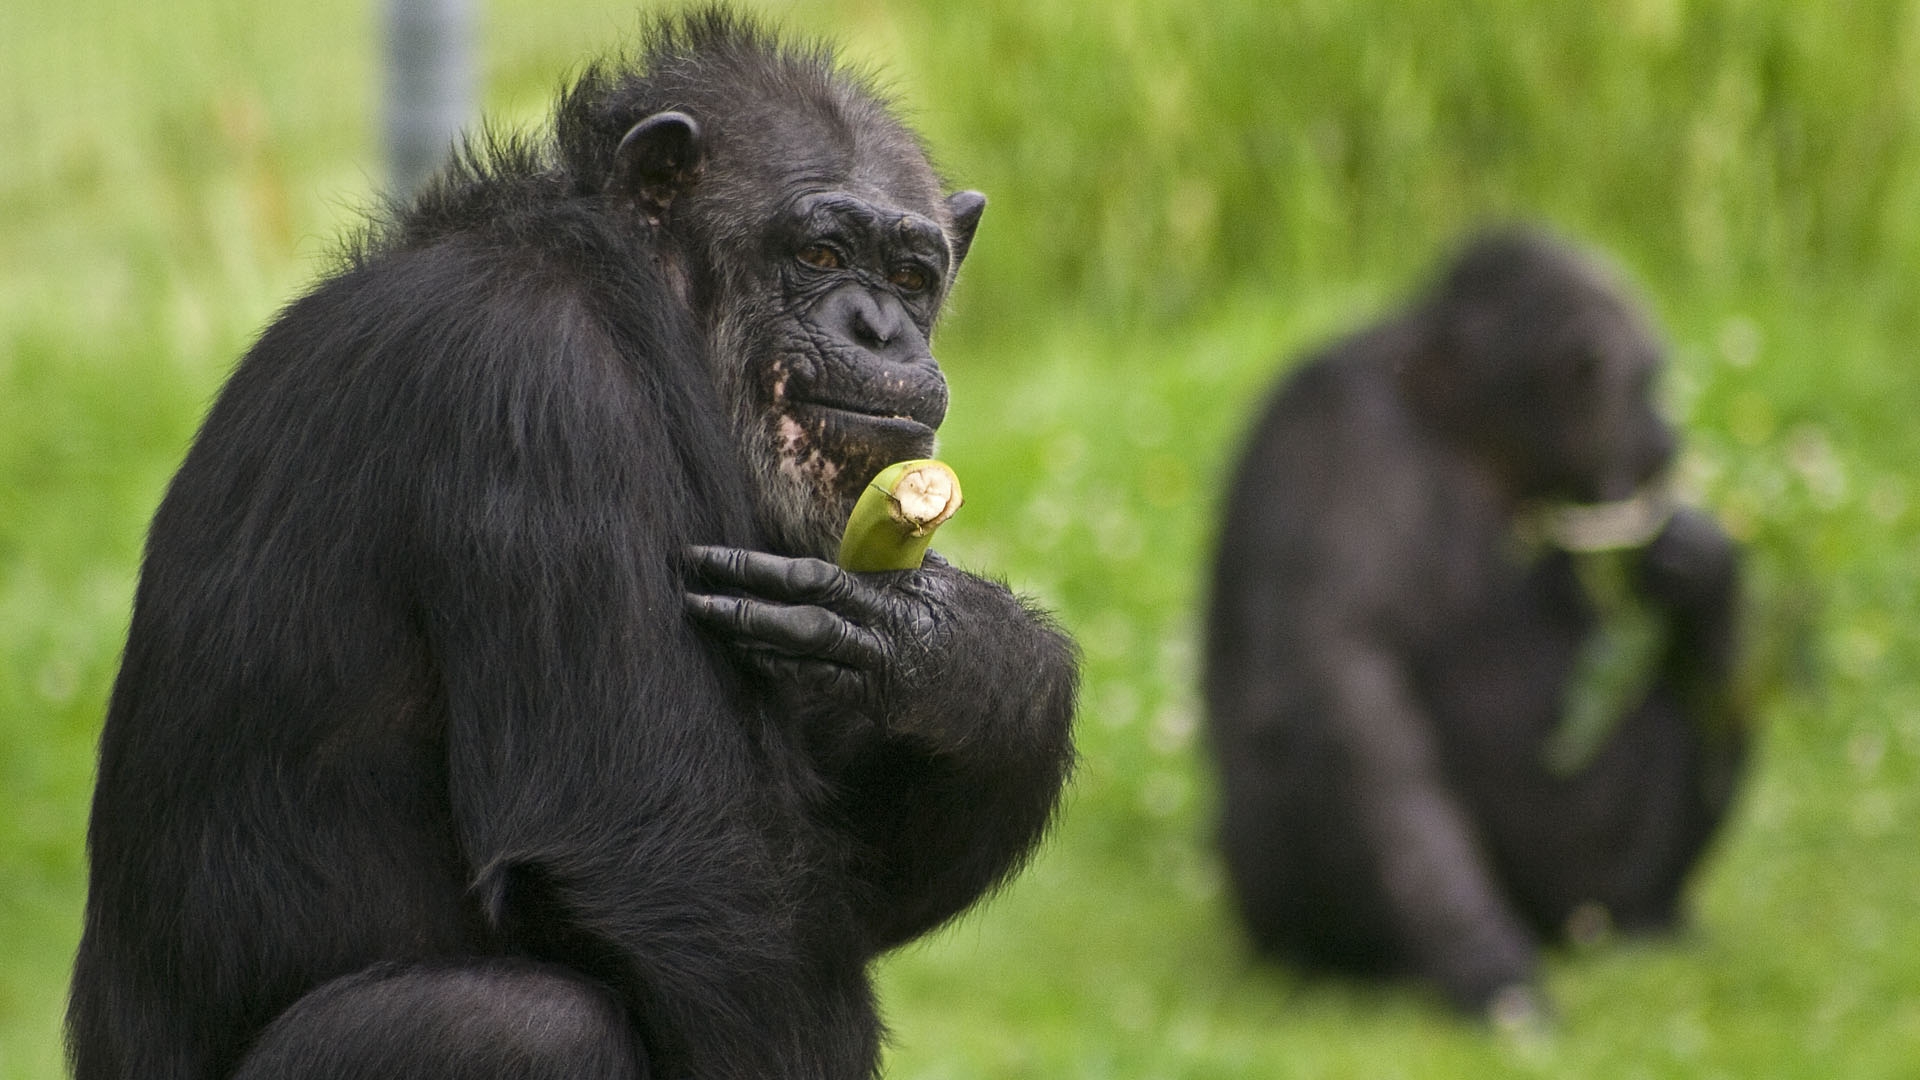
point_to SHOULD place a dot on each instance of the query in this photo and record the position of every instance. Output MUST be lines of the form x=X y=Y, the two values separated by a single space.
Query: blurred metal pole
x=429 y=86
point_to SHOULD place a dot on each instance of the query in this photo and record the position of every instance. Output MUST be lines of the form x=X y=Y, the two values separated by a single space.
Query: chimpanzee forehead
x=852 y=146
x=750 y=197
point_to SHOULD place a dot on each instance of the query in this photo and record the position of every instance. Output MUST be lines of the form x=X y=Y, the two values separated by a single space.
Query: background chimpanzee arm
x=1692 y=570
x=1439 y=886
x=939 y=703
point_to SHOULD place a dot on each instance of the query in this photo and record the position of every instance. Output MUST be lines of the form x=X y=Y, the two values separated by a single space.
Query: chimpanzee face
x=836 y=377
x=1585 y=421
x=1542 y=364
x=851 y=385
x=818 y=266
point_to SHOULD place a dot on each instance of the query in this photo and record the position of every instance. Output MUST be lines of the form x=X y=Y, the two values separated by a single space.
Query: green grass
x=1183 y=196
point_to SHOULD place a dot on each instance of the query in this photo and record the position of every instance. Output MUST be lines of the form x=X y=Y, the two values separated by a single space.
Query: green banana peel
x=896 y=516
x=1616 y=666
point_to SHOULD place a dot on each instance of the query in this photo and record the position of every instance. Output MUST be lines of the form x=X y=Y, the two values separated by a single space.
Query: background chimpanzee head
x=1534 y=355
x=804 y=226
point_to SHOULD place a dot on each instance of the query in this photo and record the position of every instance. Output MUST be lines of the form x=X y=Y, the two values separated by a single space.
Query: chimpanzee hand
x=823 y=639
x=1691 y=563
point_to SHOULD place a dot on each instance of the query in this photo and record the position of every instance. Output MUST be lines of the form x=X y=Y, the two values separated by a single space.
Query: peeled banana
x=896 y=515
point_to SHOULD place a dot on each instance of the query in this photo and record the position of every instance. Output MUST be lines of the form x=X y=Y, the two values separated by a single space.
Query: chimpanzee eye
x=908 y=277
x=820 y=257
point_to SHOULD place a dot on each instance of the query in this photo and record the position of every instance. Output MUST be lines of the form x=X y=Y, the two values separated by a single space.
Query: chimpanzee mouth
x=891 y=426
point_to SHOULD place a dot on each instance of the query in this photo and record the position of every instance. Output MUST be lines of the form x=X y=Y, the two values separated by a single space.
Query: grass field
x=1183 y=196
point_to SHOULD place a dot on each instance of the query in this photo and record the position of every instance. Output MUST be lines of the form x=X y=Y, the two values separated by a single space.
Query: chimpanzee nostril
x=871 y=322
x=870 y=325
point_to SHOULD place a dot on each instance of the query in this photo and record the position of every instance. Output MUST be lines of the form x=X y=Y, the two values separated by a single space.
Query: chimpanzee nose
x=874 y=322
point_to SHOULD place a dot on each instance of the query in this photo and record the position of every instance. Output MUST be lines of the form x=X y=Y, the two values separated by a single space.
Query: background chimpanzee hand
x=1690 y=564
x=850 y=650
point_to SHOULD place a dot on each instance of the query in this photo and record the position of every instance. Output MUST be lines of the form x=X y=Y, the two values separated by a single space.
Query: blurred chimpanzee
x=488 y=709
x=1405 y=605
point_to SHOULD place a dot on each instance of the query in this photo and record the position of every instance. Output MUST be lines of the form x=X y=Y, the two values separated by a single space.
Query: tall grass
x=1152 y=155
x=1182 y=196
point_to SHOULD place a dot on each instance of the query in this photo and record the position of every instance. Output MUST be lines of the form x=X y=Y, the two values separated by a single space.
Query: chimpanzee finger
x=811 y=679
x=776 y=577
x=795 y=629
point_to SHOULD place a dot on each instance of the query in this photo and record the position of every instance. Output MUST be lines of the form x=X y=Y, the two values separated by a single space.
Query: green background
x=1184 y=195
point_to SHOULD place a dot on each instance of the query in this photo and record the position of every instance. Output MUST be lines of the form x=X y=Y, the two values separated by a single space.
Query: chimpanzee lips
x=891 y=426
x=858 y=443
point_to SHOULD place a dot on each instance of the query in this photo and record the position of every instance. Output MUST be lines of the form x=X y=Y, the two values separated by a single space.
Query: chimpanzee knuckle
x=815 y=578
x=758 y=572
x=714 y=563
x=913 y=616
x=709 y=611
x=865 y=649
x=772 y=622
x=739 y=617
x=863 y=603
x=934 y=584
x=813 y=629
x=744 y=621
x=925 y=625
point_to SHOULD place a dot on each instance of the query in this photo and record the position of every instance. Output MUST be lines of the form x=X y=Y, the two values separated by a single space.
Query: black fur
x=415 y=765
x=1385 y=664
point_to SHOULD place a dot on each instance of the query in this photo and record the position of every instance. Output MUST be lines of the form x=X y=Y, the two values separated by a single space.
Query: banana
x=1610 y=526
x=896 y=515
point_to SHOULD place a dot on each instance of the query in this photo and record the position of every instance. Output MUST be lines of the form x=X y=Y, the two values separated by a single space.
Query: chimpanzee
x=1406 y=606
x=489 y=708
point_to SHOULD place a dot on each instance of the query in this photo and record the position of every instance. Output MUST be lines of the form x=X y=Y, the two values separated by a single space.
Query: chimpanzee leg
x=489 y=1020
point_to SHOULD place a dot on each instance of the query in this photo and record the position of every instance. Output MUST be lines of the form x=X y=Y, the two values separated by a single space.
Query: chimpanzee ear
x=659 y=158
x=965 y=208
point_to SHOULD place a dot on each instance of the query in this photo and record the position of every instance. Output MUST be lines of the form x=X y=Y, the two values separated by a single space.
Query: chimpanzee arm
x=1692 y=570
x=938 y=700
x=1437 y=881
x=606 y=804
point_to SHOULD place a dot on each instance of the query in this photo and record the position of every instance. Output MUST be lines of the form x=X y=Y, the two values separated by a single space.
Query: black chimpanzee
x=1393 y=648
x=488 y=709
